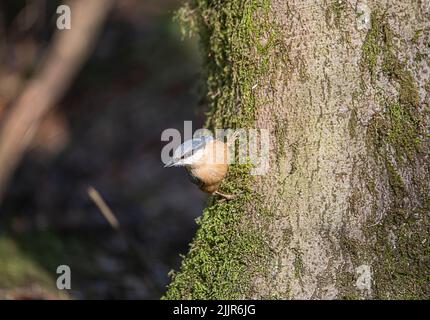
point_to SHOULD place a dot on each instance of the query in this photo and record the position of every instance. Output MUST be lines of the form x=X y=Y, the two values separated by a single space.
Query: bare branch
x=103 y=207
x=69 y=50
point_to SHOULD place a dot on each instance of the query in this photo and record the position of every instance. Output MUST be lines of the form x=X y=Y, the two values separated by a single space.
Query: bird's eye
x=183 y=155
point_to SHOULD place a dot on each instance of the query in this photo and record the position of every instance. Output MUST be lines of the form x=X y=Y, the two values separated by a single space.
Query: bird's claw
x=225 y=197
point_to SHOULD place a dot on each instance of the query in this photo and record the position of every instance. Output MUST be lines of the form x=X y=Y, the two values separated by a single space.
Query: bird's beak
x=169 y=164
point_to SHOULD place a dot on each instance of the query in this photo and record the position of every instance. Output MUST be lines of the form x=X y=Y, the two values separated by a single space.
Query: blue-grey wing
x=191 y=146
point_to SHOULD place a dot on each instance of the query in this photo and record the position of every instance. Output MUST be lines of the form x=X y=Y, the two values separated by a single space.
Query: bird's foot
x=225 y=196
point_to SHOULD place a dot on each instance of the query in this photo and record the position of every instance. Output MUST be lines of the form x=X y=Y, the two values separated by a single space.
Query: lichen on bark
x=398 y=240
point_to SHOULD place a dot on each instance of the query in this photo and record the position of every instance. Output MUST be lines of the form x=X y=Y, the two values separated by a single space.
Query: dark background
x=140 y=80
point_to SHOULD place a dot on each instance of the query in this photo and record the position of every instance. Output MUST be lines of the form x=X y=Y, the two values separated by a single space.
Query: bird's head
x=189 y=153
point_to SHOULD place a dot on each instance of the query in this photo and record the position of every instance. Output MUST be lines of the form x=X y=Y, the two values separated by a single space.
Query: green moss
x=397 y=71
x=396 y=133
x=298 y=264
x=346 y=290
x=225 y=249
x=352 y=123
x=187 y=21
x=346 y=279
x=417 y=36
x=420 y=57
x=334 y=12
x=238 y=40
x=403 y=249
x=378 y=47
x=371 y=49
x=399 y=248
x=399 y=126
x=395 y=180
x=403 y=131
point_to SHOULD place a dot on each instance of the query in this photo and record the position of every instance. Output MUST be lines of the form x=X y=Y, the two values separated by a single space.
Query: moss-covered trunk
x=344 y=210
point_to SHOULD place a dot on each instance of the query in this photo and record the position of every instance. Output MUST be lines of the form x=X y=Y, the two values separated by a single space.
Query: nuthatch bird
x=206 y=161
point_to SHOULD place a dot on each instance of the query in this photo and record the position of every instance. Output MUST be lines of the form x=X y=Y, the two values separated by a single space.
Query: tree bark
x=343 y=212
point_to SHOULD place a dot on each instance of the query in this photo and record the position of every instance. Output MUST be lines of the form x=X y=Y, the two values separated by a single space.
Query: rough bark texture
x=347 y=105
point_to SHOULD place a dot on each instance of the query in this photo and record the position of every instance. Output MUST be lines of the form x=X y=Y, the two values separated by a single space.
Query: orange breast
x=212 y=168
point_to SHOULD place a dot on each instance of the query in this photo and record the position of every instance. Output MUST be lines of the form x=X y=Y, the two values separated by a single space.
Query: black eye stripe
x=185 y=155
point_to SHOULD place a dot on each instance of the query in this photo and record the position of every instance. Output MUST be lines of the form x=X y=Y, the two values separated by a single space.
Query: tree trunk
x=343 y=212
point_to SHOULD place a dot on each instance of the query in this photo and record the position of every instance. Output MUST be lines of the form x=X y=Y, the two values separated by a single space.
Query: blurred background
x=140 y=79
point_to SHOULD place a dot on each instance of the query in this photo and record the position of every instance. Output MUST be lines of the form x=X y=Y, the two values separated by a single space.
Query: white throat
x=194 y=158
